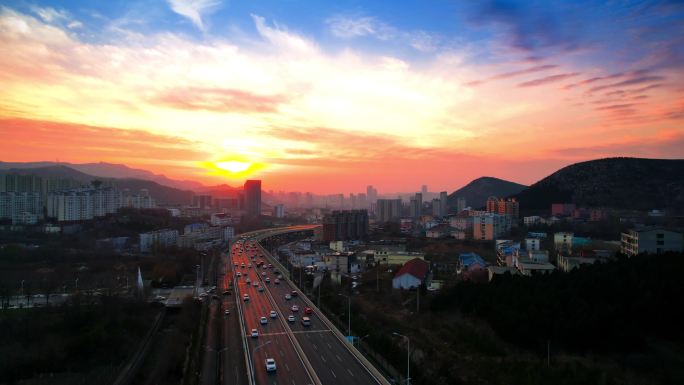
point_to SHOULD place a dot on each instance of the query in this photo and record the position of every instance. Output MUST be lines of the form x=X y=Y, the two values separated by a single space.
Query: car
x=255 y=283
x=287 y=296
x=202 y=295
x=260 y=288
x=273 y=314
x=235 y=264
x=226 y=312
x=291 y=318
x=255 y=333
x=276 y=281
x=249 y=265
x=267 y=280
x=306 y=321
x=263 y=273
x=294 y=293
x=263 y=320
x=294 y=308
x=270 y=365
x=242 y=265
x=239 y=274
x=308 y=310
x=245 y=297
x=227 y=292
x=247 y=280
x=270 y=266
x=280 y=276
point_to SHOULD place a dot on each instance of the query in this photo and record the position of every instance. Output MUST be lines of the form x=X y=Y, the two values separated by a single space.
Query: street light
x=408 y=357
x=348 y=312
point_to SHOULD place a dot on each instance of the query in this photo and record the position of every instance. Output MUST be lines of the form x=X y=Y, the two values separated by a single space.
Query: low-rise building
x=532 y=244
x=159 y=238
x=471 y=261
x=563 y=241
x=411 y=275
x=388 y=257
x=529 y=267
x=651 y=240
x=439 y=231
x=494 y=271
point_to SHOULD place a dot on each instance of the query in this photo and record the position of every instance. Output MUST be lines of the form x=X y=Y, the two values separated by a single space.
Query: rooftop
x=416 y=267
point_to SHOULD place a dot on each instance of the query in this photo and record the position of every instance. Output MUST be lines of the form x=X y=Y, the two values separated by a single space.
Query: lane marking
x=323 y=358
x=333 y=373
x=329 y=347
x=287 y=367
x=350 y=372
x=338 y=357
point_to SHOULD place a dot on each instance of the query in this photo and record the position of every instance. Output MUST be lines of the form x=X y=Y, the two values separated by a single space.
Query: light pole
x=348 y=312
x=408 y=357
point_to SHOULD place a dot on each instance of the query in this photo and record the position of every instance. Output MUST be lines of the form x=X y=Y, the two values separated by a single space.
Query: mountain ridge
x=478 y=190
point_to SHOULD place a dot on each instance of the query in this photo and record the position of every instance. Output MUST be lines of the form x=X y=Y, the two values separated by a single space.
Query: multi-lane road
x=304 y=354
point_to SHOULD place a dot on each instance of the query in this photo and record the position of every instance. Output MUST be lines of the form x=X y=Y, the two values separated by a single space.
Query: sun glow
x=233 y=166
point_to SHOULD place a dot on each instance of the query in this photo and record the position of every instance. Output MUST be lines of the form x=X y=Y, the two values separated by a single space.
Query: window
x=660 y=242
x=660 y=235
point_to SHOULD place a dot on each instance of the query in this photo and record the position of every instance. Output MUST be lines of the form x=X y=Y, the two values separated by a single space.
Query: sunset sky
x=329 y=97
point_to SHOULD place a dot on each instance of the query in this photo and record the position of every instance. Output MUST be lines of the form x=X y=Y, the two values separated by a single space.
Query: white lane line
x=288 y=368
x=338 y=357
x=333 y=373
x=293 y=382
x=329 y=347
x=350 y=372
x=323 y=358
x=314 y=346
x=282 y=354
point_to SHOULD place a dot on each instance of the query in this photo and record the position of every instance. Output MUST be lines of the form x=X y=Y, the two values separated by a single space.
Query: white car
x=273 y=314
x=226 y=312
x=294 y=308
x=291 y=318
x=263 y=320
x=249 y=265
x=263 y=273
x=247 y=280
x=239 y=274
x=255 y=283
x=245 y=297
x=277 y=281
x=270 y=365
x=287 y=296
x=267 y=280
x=255 y=333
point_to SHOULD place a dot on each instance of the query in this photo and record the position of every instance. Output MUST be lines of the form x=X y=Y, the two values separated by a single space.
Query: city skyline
x=332 y=98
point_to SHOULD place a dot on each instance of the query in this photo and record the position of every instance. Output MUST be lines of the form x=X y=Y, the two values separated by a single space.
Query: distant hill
x=162 y=194
x=110 y=170
x=623 y=183
x=477 y=191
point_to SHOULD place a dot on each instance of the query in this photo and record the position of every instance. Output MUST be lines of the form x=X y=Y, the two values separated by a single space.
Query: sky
x=332 y=96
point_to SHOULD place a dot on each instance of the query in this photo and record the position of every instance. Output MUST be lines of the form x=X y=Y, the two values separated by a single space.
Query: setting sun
x=233 y=166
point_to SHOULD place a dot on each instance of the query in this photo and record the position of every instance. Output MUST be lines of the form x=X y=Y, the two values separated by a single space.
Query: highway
x=313 y=354
x=273 y=341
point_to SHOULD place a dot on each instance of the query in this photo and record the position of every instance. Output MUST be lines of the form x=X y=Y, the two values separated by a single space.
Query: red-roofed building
x=412 y=274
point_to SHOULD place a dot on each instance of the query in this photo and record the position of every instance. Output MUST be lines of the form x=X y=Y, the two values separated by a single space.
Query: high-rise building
x=21 y=207
x=436 y=208
x=416 y=205
x=345 y=225
x=83 y=203
x=279 y=211
x=388 y=210
x=202 y=201
x=460 y=204
x=443 y=197
x=371 y=194
x=424 y=190
x=490 y=226
x=252 y=190
x=509 y=206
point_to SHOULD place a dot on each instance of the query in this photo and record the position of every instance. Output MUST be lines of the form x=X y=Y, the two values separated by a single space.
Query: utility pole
x=377 y=277
x=408 y=357
x=418 y=300
x=548 y=353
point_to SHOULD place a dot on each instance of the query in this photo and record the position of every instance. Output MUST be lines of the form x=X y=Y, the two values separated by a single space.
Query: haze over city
x=330 y=97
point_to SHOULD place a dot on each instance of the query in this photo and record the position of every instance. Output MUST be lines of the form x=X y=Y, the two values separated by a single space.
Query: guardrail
x=374 y=372
x=245 y=349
